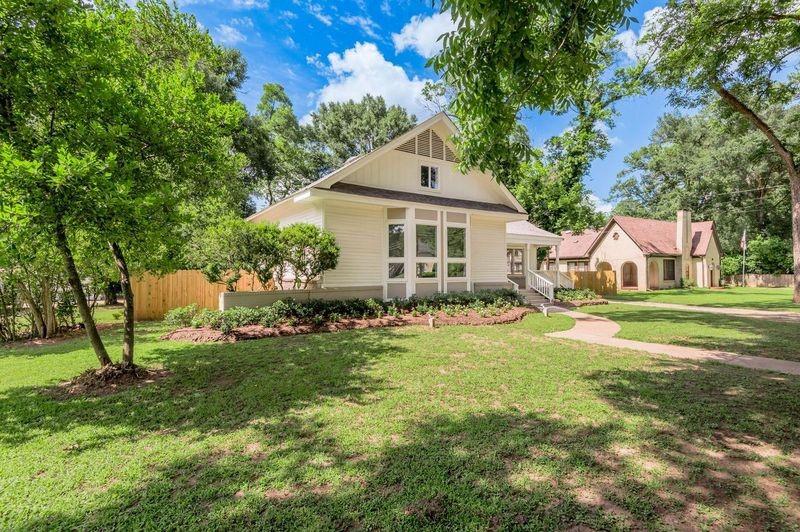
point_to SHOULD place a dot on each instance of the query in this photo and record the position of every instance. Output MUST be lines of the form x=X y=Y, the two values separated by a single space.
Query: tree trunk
x=80 y=296
x=39 y=324
x=791 y=168
x=127 y=299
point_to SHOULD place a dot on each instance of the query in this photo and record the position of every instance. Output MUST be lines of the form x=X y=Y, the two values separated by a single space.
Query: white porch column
x=558 y=260
x=534 y=258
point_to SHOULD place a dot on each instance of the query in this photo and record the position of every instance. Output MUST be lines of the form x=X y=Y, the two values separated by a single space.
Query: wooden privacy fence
x=154 y=295
x=603 y=282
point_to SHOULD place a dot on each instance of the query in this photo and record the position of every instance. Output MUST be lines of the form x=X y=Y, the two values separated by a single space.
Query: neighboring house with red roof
x=646 y=254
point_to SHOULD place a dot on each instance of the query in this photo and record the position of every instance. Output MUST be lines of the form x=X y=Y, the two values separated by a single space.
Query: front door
x=629 y=275
x=652 y=276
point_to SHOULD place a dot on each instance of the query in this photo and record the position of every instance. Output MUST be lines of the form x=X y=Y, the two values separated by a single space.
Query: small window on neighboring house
x=669 y=269
x=429 y=177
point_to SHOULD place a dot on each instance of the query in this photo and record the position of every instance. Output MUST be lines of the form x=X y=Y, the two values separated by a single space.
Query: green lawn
x=755 y=298
x=747 y=336
x=458 y=427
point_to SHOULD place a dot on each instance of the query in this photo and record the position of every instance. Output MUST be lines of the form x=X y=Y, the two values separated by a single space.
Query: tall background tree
x=736 y=52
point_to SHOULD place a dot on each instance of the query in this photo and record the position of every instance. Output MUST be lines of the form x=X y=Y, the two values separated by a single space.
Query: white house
x=409 y=222
x=646 y=254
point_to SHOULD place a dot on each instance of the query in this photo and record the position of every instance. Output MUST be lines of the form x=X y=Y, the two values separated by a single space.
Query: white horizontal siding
x=306 y=214
x=359 y=231
x=487 y=249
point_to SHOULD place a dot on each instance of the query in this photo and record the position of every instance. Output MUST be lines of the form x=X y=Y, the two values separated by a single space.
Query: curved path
x=598 y=330
x=772 y=315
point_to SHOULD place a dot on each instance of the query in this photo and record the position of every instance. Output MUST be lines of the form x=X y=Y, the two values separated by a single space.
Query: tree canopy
x=737 y=52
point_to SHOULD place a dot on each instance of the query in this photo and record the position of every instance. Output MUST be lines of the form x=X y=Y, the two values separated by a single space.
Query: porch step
x=533 y=298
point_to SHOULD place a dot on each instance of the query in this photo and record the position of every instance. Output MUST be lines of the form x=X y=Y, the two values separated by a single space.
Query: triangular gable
x=439 y=119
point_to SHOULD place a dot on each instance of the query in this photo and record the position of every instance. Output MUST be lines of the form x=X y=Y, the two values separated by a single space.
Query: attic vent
x=437 y=146
x=410 y=146
x=449 y=155
x=424 y=143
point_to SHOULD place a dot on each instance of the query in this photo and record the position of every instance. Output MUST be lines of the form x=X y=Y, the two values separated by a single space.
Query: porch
x=523 y=240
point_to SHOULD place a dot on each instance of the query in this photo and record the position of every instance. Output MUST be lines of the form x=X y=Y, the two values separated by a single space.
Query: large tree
x=715 y=165
x=738 y=52
x=109 y=133
x=346 y=129
x=511 y=55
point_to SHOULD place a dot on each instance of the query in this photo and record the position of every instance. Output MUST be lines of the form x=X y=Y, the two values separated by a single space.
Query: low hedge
x=318 y=311
x=575 y=294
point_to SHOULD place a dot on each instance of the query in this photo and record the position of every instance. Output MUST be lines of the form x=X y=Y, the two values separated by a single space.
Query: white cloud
x=366 y=24
x=242 y=22
x=316 y=11
x=288 y=42
x=364 y=70
x=630 y=40
x=422 y=34
x=602 y=206
x=227 y=34
x=386 y=8
x=287 y=15
x=612 y=139
x=315 y=61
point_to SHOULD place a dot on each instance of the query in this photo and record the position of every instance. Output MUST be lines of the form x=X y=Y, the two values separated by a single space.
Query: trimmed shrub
x=181 y=316
x=318 y=311
x=575 y=294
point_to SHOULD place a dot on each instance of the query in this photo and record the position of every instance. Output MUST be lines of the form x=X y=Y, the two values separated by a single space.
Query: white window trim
x=423 y=162
x=456 y=260
x=407 y=279
x=438 y=258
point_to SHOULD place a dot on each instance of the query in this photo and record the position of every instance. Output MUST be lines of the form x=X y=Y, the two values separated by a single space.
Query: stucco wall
x=618 y=252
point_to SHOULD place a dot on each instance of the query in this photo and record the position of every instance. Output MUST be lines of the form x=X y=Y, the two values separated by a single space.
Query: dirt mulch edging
x=105 y=381
x=584 y=303
x=254 y=332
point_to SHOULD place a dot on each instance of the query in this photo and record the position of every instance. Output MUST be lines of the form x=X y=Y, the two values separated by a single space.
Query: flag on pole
x=743 y=241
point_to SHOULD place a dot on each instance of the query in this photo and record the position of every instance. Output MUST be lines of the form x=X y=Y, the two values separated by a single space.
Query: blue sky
x=343 y=49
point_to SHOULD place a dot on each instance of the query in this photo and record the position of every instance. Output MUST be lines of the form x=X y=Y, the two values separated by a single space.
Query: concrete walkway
x=598 y=330
x=772 y=315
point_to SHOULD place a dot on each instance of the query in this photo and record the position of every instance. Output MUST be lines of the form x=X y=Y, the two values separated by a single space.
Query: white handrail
x=541 y=284
x=514 y=286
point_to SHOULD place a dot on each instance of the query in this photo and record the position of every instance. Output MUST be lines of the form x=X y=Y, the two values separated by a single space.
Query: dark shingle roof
x=360 y=190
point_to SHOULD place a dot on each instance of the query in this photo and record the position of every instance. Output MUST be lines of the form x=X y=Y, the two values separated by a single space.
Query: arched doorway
x=652 y=276
x=603 y=267
x=630 y=276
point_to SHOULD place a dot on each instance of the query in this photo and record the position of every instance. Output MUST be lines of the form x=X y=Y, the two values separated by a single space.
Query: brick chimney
x=683 y=240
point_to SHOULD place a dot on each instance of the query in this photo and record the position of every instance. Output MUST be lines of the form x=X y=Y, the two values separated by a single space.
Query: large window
x=426 y=270
x=669 y=269
x=514 y=261
x=429 y=176
x=397 y=243
x=426 y=240
x=457 y=252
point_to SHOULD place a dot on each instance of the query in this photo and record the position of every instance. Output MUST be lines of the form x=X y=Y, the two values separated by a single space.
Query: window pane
x=423 y=176
x=426 y=270
x=434 y=177
x=426 y=240
x=397 y=270
x=457 y=242
x=456 y=269
x=397 y=246
x=669 y=270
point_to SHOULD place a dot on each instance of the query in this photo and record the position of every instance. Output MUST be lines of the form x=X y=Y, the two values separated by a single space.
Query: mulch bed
x=254 y=332
x=584 y=303
x=105 y=381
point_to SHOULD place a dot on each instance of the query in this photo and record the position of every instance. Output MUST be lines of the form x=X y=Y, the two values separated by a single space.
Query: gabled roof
x=354 y=163
x=654 y=237
x=576 y=245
